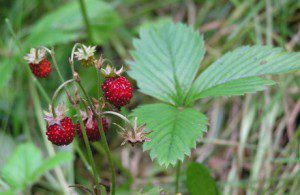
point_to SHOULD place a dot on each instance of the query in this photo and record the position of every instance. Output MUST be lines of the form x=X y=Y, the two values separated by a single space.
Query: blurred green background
x=252 y=138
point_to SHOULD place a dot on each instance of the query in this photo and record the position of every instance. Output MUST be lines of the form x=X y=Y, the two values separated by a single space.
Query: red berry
x=42 y=69
x=92 y=132
x=117 y=90
x=61 y=134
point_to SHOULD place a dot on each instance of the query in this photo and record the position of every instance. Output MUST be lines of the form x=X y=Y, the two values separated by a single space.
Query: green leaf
x=199 y=180
x=175 y=131
x=234 y=69
x=65 y=24
x=26 y=165
x=49 y=164
x=21 y=164
x=237 y=87
x=166 y=60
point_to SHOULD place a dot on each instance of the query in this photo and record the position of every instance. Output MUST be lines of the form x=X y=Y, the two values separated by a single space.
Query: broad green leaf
x=21 y=164
x=49 y=164
x=166 y=60
x=26 y=165
x=175 y=131
x=234 y=69
x=65 y=24
x=199 y=180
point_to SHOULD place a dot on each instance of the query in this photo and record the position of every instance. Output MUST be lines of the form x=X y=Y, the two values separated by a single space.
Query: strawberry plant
x=99 y=135
x=166 y=62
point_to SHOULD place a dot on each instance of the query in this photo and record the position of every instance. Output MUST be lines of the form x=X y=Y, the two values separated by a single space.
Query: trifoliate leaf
x=175 y=131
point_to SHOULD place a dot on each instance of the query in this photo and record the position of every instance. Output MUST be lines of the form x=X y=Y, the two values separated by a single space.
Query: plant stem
x=85 y=138
x=63 y=85
x=87 y=145
x=87 y=96
x=178 y=166
x=116 y=114
x=132 y=129
x=99 y=85
x=103 y=141
x=86 y=20
x=109 y=155
x=103 y=137
x=99 y=122
x=56 y=66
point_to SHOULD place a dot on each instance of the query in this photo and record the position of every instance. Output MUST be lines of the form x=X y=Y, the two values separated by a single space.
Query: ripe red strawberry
x=42 y=69
x=60 y=128
x=117 y=90
x=92 y=130
x=61 y=134
x=38 y=63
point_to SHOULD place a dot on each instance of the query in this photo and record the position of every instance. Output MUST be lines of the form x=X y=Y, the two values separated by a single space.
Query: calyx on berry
x=88 y=117
x=112 y=72
x=135 y=134
x=85 y=55
x=35 y=56
x=91 y=126
x=56 y=118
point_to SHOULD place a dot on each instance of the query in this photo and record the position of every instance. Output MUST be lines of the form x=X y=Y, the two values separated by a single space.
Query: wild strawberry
x=60 y=128
x=86 y=55
x=42 y=69
x=117 y=89
x=92 y=130
x=38 y=63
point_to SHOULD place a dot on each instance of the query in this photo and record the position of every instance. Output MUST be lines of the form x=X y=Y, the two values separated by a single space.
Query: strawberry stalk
x=57 y=91
x=85 y=138
x=98 y=118
x=121 y=117
x=87 y=144
x=103 y=138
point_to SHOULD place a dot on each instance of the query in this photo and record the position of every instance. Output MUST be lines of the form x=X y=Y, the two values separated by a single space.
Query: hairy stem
x=102 y=133
x=85 y=138
x=109 y=155
x=103 y=140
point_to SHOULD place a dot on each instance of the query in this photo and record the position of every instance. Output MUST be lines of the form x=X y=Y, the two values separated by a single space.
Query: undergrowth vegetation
x=208 y=102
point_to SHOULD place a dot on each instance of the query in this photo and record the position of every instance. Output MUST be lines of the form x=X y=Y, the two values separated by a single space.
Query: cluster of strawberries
x=117 y=90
